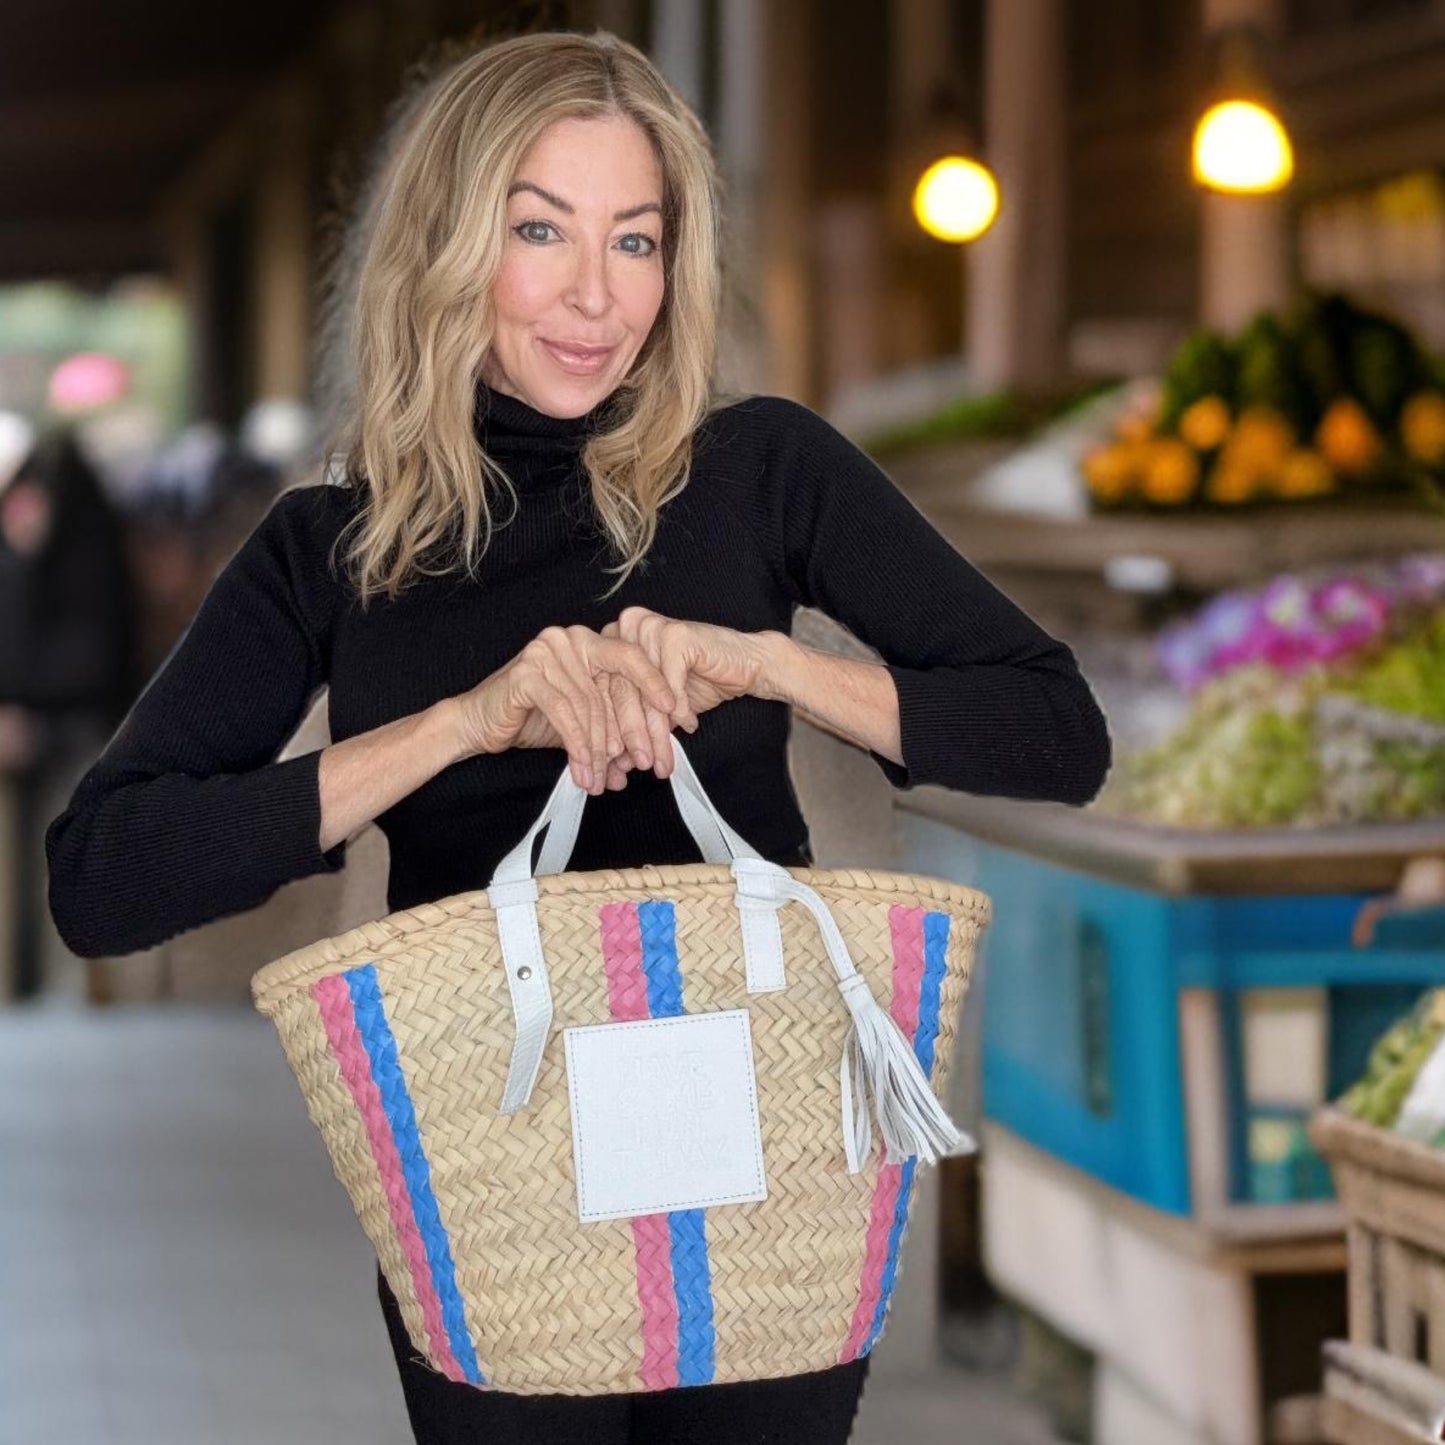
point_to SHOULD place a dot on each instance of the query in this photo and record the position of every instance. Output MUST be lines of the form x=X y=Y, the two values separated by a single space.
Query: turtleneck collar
x=540 y=453
x=507 y=424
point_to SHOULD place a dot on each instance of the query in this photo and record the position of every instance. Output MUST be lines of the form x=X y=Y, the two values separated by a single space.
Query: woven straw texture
x=399 y=1033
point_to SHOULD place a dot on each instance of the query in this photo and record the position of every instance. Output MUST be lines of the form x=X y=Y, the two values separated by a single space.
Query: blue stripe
x=391 y=1084
x=895 y=1239
x=687 y=1228
x=935 y=965
x=692 y=1280
x=656 y=926
x=935 y=961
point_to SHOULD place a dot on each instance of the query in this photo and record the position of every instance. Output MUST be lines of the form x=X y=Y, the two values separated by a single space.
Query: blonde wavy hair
x=426 y=250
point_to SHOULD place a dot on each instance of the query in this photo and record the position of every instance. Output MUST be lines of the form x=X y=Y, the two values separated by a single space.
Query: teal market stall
x=1162 y=1010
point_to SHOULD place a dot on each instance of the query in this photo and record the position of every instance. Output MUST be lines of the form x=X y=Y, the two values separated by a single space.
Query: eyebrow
x=570 y=210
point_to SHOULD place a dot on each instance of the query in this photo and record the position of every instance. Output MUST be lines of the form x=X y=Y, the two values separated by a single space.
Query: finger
x=632 y=661
x=668 y=643
x=675 y=669
x=567 y=675
x=597 y=735
x=631 y=717
x=648 y=629
x=559 y=710
x=659 y=726
x=614 y=729
x=573 y=656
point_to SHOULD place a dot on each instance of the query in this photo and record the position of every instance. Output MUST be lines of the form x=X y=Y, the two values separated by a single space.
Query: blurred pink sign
x=88 y=379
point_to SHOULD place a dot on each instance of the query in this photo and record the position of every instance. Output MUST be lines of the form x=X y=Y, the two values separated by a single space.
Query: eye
x=526 y=225
x=521 y=229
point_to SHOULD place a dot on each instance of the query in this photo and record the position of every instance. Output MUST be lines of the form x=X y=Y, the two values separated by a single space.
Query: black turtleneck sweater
x=187 y=816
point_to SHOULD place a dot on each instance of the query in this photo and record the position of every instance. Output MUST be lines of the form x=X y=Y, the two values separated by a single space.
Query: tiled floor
x=179 y=1266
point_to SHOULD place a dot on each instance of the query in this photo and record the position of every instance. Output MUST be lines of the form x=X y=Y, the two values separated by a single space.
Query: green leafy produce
x=1355 y=740
x=1268 y=374
x=1228 y=766
x=1353 y=387
x=1321 y=327
x=1204 y=365
x=1395 y=1060
x=1385 y=367
x=999 y=414
x=1408 y=677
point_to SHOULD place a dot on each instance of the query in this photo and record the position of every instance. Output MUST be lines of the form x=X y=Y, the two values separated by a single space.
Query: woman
x=536 y=309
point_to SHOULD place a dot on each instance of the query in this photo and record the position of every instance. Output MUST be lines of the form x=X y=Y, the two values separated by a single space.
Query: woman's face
x=582 y=279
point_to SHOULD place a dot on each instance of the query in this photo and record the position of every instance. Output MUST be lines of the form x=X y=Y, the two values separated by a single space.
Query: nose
x=590 y=286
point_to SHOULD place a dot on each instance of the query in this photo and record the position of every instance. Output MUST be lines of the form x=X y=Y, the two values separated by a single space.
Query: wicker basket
x=403 y=1039
x=1388 y=1383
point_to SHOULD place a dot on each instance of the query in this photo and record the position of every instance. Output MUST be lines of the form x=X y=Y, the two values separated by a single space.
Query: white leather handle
x=716 y=841
x=513 y=895
x=878 y=1061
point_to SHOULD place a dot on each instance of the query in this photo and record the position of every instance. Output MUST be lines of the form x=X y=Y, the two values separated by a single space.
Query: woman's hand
x=559 y=691
x=643 y=745
x=704 y=665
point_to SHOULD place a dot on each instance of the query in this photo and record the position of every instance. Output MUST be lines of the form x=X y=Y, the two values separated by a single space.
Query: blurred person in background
x=68 y=664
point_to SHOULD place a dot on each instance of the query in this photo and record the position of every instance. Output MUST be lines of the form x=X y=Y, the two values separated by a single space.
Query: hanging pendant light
x=1241 y=145
x=956 y=197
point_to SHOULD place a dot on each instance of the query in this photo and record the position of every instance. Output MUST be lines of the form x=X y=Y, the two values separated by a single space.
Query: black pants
x=813 y=1409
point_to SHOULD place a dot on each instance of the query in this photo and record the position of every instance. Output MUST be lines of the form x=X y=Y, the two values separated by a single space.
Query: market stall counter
x=1163 y=1009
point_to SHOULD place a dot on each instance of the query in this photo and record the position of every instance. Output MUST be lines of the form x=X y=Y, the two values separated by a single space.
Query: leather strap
x=878 y=1061
x=513 y=895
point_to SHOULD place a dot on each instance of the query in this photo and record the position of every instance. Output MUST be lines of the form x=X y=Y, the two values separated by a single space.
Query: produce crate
x=1375 y=1398
x=1388 y=1382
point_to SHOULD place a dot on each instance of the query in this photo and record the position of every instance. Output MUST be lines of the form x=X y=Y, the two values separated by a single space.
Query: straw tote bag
x=612 y=1131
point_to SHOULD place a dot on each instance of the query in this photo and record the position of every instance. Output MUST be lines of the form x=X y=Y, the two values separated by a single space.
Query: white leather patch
x=664 y=1114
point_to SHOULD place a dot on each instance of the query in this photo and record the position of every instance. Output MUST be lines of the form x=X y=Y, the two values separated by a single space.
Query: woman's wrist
x=362 y=776
x=780 y=663
x=853 y=699
x=448 y=739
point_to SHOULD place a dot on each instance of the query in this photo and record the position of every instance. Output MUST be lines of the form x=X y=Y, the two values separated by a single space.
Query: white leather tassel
x=877 y=1059
x=911 y=1121
x=857 y=1126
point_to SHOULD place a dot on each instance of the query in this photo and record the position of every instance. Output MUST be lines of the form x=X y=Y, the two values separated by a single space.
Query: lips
x=569 y=349
x=586 y=361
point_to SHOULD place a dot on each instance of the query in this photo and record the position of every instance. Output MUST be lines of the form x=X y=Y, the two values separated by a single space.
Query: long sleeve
x=186 y=817
x=988 y=701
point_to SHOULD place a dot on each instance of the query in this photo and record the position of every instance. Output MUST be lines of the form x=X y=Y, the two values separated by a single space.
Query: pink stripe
x=905 y=926
x=333 y=998
x=652 y=1241
x=875 y=1256
x=651 y=1235
x=622 y=958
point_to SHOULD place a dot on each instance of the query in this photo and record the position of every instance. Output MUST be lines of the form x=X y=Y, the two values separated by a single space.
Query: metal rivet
x=524 y=972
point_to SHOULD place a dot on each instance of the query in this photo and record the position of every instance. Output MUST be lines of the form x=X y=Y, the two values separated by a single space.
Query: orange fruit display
x=1347 y=438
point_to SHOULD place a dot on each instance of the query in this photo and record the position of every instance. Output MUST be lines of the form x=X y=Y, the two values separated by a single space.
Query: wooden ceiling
x=103 y=103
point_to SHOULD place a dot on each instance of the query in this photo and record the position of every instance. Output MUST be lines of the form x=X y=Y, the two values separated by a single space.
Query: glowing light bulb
x=956 y=199
x=1240 y=146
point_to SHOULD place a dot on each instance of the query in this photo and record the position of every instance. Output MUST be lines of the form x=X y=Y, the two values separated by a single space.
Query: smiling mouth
x=579 y=350
x=580 y=361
